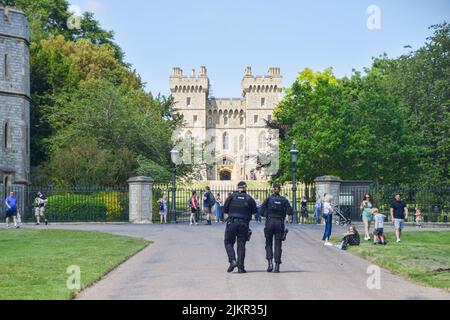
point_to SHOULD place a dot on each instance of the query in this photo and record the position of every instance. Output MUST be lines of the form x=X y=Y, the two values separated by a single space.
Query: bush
x=114 y=206
x=76 y=208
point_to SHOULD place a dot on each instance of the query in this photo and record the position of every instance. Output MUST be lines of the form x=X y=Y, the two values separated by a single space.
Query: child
x=379 y=237
x=418 y=218
x=351 y=238
x=163 y=205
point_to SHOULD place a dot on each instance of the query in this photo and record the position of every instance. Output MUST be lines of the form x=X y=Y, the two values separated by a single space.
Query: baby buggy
x=342 y=216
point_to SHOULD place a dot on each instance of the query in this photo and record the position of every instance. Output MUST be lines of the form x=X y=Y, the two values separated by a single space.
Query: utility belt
x=236 y=219
x=275 y=218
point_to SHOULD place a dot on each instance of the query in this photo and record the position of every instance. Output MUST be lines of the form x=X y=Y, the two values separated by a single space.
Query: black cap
x=242 y=184
x=277 y=186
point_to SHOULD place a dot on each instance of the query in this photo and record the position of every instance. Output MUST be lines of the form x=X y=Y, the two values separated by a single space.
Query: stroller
x=343 y=216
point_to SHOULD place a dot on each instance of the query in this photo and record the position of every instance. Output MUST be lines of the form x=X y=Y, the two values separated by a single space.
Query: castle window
x=263 y=102
x=195 y=119
x=225 y=121
x=241 y=120
x=241 y=142
x=209 y=121
x=7 y=136
x=6 y=66
x=226 y=141
x=269 y=118
x=256 y=118
x=188 y=102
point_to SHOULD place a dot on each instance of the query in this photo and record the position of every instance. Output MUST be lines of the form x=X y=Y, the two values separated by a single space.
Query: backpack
x=189 y=203
x=161 y=206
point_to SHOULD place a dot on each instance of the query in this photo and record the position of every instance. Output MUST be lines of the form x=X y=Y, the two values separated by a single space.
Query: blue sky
x=228 y=35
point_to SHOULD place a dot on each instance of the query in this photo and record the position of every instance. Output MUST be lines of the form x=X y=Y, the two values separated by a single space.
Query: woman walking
x=193 y=204
x=366 y=207
x=328 y=211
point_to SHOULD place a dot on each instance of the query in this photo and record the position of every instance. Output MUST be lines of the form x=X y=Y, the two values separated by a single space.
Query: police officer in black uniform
x=275 y=209
x=240 y=207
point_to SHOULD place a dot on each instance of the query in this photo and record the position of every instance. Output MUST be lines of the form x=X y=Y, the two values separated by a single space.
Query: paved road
x=190 y=262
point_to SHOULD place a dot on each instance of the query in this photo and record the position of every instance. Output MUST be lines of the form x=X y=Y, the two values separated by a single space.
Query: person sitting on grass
x=379 y=236
x=351 y=238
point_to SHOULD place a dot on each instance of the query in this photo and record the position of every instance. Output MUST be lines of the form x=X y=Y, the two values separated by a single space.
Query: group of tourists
x=13 y=215
x=370 y=214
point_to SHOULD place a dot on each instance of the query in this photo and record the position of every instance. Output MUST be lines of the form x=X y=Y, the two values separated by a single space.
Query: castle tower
x=14 y=99
x=262 y=95
x=190 y=95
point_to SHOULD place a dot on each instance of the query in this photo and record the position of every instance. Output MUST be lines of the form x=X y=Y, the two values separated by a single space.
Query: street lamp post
x=174 y=154
x=294 y=158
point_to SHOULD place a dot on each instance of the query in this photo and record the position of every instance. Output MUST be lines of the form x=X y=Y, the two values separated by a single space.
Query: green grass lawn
x=33 y=263
x=423 y=257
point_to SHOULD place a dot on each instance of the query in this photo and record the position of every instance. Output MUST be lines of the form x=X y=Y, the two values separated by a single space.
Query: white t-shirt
x=326 y=207
x=379 y=221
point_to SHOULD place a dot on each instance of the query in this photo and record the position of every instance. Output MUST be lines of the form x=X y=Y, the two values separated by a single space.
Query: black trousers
x=236 y=230
x=274 y=229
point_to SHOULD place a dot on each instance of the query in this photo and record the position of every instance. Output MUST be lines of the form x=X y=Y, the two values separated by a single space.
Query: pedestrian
x=40 y=203
x=351 y=238
x=366 y=207
x=208 y=202
x=240 y=208
x=163 y=205
x=218 y=209
x=379 y=236
x=11 y=210
x=399 y=214
x=275 y=209
x=328 y=211
x=317 y=211
x=258 y=210
x=193 y=205
x=304 y=211
x=418 y=218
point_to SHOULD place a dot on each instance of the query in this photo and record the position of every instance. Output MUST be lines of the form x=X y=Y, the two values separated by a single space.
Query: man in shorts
x=399 y=214
x=11 y=210
x=40 y=203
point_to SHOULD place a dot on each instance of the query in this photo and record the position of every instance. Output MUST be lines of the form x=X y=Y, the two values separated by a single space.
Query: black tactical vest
x=277 y=207
x=239 y=206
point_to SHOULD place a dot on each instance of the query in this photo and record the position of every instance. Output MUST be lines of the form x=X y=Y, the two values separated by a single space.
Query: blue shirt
x=12 y=202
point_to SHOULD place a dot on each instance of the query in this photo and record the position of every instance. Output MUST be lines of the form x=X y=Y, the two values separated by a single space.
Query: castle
x=14 y=99
x=235 y=128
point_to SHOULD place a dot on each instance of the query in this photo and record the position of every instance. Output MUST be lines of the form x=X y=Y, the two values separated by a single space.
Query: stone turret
x=14 y=98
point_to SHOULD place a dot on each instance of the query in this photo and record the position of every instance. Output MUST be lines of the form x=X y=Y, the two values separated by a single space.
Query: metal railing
x=77 y=204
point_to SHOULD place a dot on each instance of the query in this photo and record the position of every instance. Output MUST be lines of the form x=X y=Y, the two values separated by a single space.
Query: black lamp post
x=294 y=158
x=174 y=154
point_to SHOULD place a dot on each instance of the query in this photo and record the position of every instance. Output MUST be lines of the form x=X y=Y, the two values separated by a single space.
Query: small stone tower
x=190 y=94
x=14 y=100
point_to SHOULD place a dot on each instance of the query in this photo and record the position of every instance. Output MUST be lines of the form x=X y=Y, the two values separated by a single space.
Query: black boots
x=270 y=266
x=233 y=265
x=242 y=270
x=277 y=268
